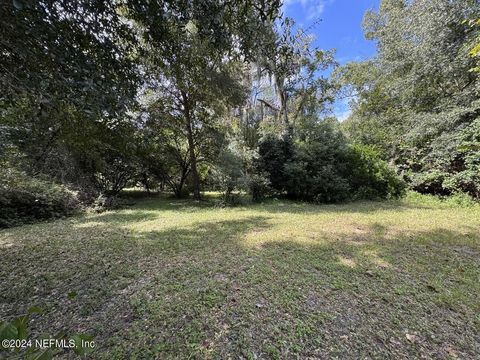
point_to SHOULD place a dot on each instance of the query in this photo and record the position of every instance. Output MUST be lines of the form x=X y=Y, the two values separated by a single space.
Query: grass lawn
x=173 y=279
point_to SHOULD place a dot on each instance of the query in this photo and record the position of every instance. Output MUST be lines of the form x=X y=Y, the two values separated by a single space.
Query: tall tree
x=196 y=66
x=75 y=52
x=296 y=68
x=67 y=76
x=416 y=98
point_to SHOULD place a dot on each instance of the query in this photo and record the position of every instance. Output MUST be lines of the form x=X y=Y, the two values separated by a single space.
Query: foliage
x=73 y=74
x=17 y=332
x=193 y=63
x=233 y=96
x=372 y=177
x=25 y=199
x=165 y=146
x=62 y=52
x=467 y=178
x=274 y=153
x=228 y=173
x=289 y=60
x=319 y=164
x=259 y=186
x=416 y=101
x=473 y=46
x=321 y=167
x=185 y=96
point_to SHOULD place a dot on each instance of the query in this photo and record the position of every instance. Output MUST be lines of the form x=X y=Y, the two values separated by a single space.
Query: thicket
x=417 y=102
x=26 y=199
x=186 y=97
x=319 y=165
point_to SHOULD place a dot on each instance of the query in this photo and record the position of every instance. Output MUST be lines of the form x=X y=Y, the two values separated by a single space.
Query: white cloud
x=343 y=115
x=312 y=8
x=342 y=109
x=316 y=10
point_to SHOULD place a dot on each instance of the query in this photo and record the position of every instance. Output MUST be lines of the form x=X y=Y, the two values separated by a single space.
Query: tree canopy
x=418 y=99
x=185 y=96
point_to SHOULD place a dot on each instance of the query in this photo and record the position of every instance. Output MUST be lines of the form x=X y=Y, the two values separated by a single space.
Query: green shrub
x=371 y=177
x=25 y=199
x=430 y=182
x=228 y=173
x=274 y=153
x=259 y=187
x=309 y=182
x=467 y=180
x=309 y=166
x=453 y=168
x=320 y=166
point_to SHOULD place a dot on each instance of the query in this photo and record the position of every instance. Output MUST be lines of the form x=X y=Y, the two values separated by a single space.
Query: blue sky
x=340 y=28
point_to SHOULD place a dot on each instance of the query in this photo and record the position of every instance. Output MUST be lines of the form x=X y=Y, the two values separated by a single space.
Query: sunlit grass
x=176 y=279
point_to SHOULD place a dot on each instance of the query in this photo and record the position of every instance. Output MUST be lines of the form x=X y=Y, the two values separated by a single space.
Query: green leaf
x=35 y=310
x=72 y=294
x=18 y=4
x=21 y=323
x=191 y=27
x=475 y=51
x=80 y=342
x=8 y=331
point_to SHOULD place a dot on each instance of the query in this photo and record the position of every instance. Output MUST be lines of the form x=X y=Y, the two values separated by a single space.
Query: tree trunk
x=191 y=148
x=145 y=183
x=179 y=187
x=282 y=97
x=193 y=161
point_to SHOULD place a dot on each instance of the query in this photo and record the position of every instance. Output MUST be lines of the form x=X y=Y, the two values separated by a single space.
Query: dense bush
x=320 y=166
x=371 y=177
x=317 y=170
x=467 y=179
x=25 y=199
x=454 y=168
x=234 y=173
x=259 y=187
x=430 y=182
x=274 y=154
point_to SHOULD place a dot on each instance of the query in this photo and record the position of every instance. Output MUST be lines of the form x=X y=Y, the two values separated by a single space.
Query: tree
x=195 y=89
x=319 y=165
x=71 y=71
x=64 y=52
x=413 y=101
x=67 y=75
x=197 y=70
x=295 y=67
x=473 y=45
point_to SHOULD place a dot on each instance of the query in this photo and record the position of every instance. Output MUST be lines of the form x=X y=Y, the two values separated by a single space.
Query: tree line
x=186 y=96
x=417 y=101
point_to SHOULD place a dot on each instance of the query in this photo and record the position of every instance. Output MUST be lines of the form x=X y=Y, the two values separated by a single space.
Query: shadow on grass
x=117 y=217
x=204 y=291
x=275 y=206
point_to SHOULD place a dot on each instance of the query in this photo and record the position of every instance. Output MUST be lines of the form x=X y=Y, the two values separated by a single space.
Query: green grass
x=176 y=279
